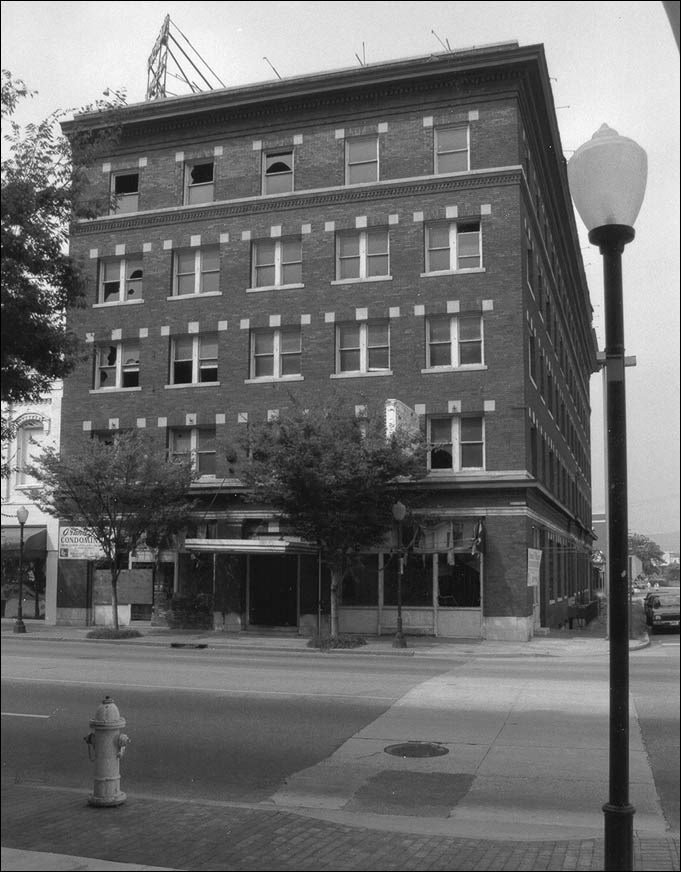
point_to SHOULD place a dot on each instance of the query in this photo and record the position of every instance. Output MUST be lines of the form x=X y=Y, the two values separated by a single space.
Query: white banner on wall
x=78 y=543
x=533 y=566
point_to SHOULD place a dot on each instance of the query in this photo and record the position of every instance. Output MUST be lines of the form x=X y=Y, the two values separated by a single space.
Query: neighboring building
x=36 y=426
x=398 y=231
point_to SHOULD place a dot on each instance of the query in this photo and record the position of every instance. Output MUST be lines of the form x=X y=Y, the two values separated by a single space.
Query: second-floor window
x=31 y=440
x=196 y=442
x=277 y=262
x=456 y=443
x=275 y=353
x=120 y=280
x=453 y=340
x=277 y=172
x=362 y=254
x=117 y=366
x=194 y=360
x=125 y=192
x=363 y=347
x=199 y=184
x=452 y=247
x=451 y=150
x=361 y=159
x=196 y=271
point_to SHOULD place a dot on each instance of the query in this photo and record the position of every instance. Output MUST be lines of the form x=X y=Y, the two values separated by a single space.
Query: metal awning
x=35 y=541
x=251 y=546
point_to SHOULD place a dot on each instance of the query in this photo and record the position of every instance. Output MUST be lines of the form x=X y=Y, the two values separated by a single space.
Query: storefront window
x=360 y=583
x=417 y=580
x=458 y=581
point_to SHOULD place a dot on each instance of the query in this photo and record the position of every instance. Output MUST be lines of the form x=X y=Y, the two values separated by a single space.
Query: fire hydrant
x=109 y=745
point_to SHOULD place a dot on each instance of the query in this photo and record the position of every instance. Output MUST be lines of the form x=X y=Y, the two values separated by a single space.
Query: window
x=277 y=173
x=456 y=443
x=361 y=160
x=120 y=280
x=197 y=271
x=199 y=187
x=363 y=347
x=451 y=150
x=455 y=246
x=194 y=360
x=277 y=262
x=362 y=254
x=454 y=341
x=30 y=443
x=117 y=366
x=198 y=443
x=125 y=192
x=275 y=353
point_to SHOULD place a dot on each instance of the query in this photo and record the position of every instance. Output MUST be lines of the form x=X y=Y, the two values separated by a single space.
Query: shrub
x=113 y=633
x=328 y=643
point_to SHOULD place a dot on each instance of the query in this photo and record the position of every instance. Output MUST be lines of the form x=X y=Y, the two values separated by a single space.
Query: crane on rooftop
x=171 y=58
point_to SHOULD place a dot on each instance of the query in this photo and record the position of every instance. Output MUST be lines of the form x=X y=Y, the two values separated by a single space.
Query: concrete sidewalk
x=516 y=780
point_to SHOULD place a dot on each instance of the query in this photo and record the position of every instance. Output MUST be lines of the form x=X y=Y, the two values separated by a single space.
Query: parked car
x=663 y=608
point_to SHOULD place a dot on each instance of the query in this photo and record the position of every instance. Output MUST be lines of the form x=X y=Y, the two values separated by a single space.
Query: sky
x=610 y=62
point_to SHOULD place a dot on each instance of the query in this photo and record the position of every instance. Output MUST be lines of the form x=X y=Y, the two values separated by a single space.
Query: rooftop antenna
x=168 y=46
x=447 y=46
x=273 y=67
x=362 y=60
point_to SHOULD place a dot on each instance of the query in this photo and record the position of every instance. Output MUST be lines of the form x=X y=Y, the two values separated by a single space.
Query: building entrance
x=273 y=591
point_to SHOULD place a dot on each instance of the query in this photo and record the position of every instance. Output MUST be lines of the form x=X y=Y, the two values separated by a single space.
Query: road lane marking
x=21 y=715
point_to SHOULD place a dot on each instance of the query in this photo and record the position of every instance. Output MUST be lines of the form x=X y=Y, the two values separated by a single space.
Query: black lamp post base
x=399 y=641
x=19 y=626
x=619 y=837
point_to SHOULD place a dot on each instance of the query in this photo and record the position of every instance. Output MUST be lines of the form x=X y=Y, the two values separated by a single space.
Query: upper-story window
x=196 y=271
x=454 y=246
x=277 y=172
x=275 y=353
x=120 y=280
x=361 y=159
x=363 y=347
x=454 y=340
x=451 y=149
x=125 y=192
x=199 y=183
x=277 y=262
x=197 y=443
x=456 y=443
x=362 y=254
x=31 y=438
x=194 y=359
x=117 y=366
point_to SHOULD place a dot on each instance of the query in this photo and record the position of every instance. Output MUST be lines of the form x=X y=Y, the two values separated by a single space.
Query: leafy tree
x=671 y=574
x=649 y=553
x=42 y=188
x=124 y=492
x=334 y=478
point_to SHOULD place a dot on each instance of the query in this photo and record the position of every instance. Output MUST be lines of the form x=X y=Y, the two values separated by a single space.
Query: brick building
x=398 y=231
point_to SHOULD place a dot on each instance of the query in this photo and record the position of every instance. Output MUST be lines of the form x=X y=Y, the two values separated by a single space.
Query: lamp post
x=607 y=177
x=399 y=512
x=22 y=517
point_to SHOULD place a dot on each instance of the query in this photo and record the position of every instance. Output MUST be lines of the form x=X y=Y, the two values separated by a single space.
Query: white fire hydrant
x=106 y=746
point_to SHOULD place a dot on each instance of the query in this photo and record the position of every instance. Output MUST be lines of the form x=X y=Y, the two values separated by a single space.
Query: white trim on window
x=199 y=443
x=120 y=280
x=199 y=182
x=361 y=160
x=454 y=441
x=453 y=247
x=363 y=348
x=276 y=263
x=275 y=354
x=454 y=342
x=277 y=172
x=194 y=360
x=196 y=271
x=117 y=366
x=362 y=255
x=451 y=149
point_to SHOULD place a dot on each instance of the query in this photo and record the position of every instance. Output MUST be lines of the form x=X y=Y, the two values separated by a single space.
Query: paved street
x=507 y=795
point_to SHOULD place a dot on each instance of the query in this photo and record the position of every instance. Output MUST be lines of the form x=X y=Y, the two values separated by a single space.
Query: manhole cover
x=417 y=749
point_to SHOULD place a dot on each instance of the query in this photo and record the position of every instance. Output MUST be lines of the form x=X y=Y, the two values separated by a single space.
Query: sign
x=78 y=543
x=533 y=566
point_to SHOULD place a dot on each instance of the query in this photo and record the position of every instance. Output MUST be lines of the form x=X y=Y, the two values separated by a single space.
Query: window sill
x=214 y=384
x=452 y=272
x=361 y=374
x=471 y=367
x=110 y=303
x=194 y=295
x=362 y=281
x=266 y=380
x=114 y=390
x=292 y=287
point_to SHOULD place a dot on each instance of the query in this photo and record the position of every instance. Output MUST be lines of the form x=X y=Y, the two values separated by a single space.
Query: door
x=273 y=591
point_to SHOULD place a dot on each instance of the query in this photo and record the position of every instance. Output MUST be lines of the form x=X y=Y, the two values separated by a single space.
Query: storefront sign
x=78 y=543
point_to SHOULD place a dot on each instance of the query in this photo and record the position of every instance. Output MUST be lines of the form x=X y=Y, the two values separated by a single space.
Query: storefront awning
x=35 y=541
x=250 y=546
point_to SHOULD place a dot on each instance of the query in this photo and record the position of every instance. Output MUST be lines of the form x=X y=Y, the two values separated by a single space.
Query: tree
x=333 y=477
x=124 y=492
x=649 y=553
x=42 y=183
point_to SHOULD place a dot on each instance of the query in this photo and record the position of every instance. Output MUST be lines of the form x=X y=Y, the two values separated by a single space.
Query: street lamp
x=399 y=513
x=22 y=517
x=607 y=177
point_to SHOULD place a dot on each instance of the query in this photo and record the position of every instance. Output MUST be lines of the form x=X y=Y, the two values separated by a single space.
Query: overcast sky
x=610 y=62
